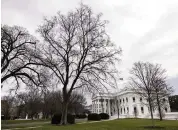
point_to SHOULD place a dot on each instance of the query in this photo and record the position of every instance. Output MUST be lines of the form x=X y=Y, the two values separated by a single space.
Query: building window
x=142 y=110
x=126 y=99
x=121 y=110
x=165 y=109
x=153 y=110
x=127 y=109
x=133 y=99
x=140 y=99
x=123 y=100
x=124 y=110
x=120 y=101
x=135 y=111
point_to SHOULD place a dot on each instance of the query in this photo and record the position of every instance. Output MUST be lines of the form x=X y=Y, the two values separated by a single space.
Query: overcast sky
x=146 y=30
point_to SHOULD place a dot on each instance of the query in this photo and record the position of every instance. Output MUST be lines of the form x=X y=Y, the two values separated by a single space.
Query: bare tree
x=32 y=102
x=6 y=106
x=79 y=53
x=77 y=103
x=18 y=52
x=141 y=82
x=52 y=102
x=160 y=88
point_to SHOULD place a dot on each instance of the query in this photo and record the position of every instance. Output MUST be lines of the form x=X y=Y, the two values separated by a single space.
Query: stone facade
x=125 y=103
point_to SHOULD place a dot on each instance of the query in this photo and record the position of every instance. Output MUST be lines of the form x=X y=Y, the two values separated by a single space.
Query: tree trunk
x=151 y=111
x=64 y=113
x=159 y=108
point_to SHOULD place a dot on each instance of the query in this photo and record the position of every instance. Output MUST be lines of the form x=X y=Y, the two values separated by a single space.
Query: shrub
x=104 y=116
x=81 y=116
x=5 y=117
x=56 y=119
x=94 y=117
x=71 y=119
x=2 y=117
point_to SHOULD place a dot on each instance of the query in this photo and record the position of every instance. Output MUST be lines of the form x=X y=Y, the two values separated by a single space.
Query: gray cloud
x=166 y=24
x=146 y=30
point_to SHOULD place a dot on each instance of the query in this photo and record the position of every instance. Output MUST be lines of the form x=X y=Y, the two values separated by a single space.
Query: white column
x=104 y=105
x=115 y=106
x=109 y=107
x=98 y=105
x=94 y=106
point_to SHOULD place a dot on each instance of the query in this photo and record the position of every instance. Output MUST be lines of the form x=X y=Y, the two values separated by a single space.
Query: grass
x=121 y=124
x=25 y=127
x=20 y=121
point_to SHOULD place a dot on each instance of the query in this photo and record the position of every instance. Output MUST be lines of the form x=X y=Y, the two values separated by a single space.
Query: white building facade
x=125 y=103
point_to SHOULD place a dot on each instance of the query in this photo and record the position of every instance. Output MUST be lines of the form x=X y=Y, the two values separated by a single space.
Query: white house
x=129 y=104
x=89 y=108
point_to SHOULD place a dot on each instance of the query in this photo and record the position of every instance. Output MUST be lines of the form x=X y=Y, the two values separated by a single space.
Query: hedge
x=94 y=117
x=80 y=116
x=104 y=116
x=5 y=118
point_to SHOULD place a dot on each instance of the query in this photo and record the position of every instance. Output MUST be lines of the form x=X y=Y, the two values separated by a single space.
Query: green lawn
x=121 y=124
x=20 y=121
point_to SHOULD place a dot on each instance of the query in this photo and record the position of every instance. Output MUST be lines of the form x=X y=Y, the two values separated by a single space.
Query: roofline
x=110 y=95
